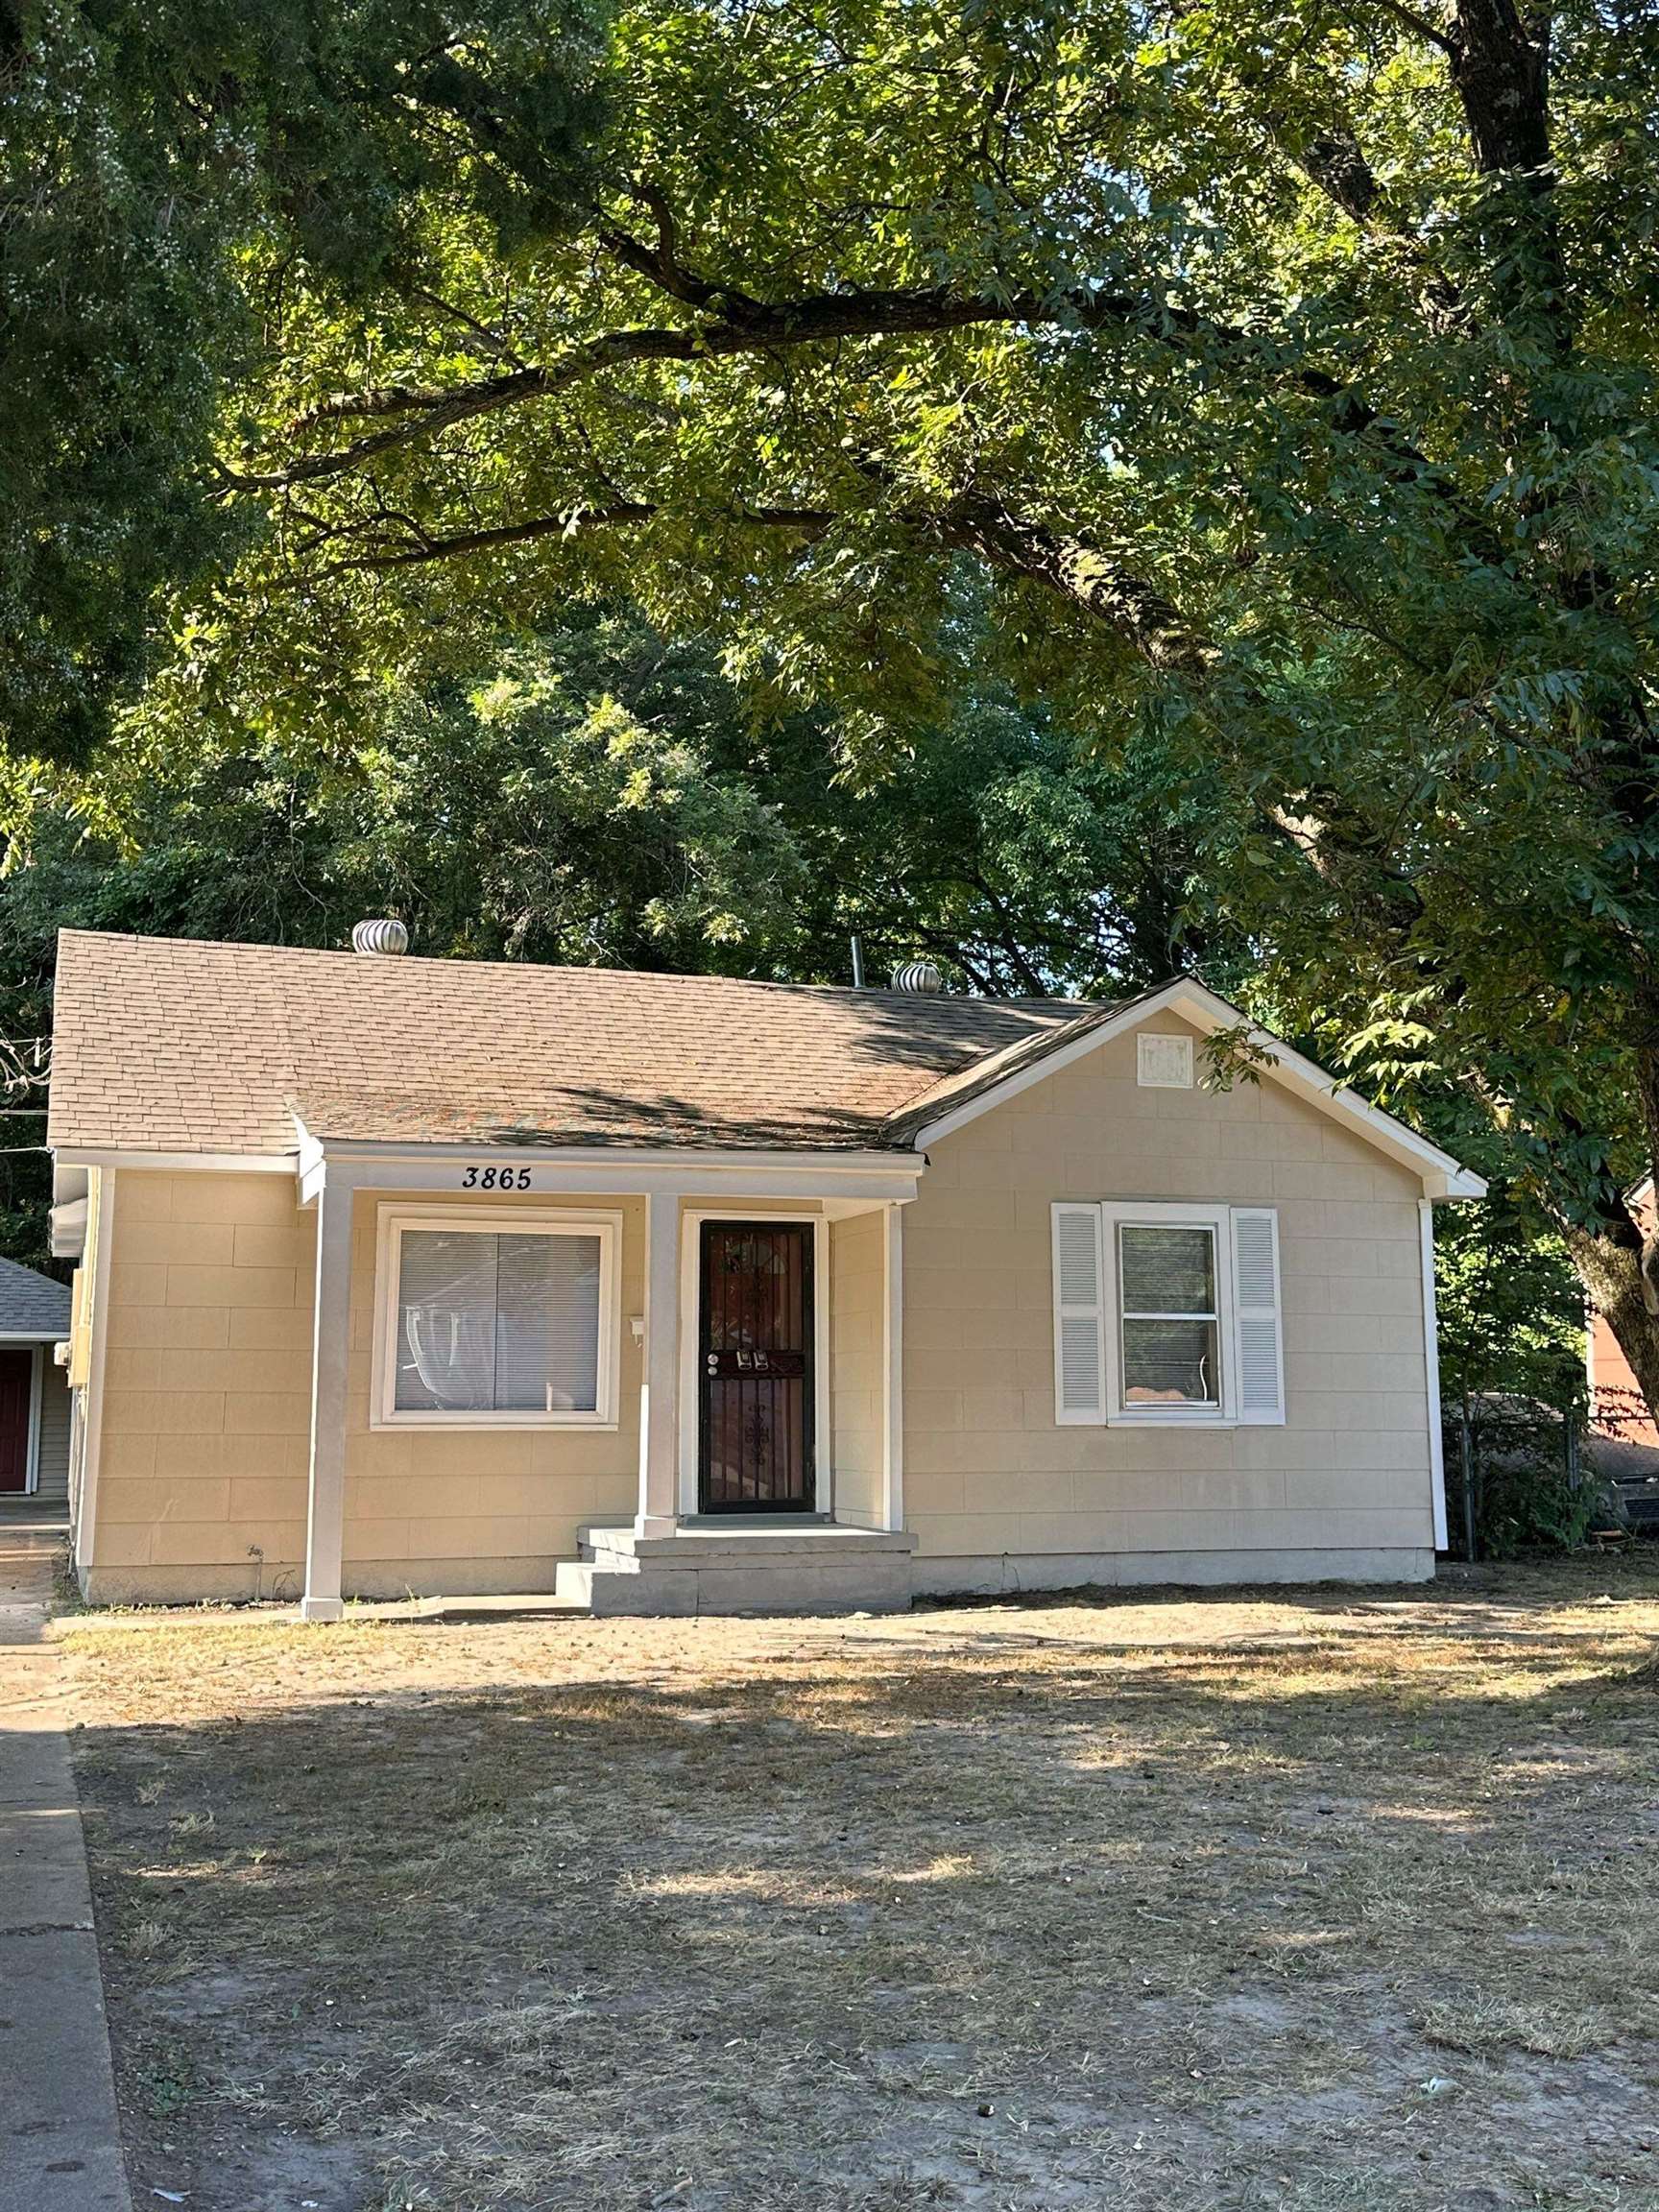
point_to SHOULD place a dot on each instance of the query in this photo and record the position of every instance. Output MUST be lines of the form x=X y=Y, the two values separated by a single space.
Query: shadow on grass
x=882 y=1927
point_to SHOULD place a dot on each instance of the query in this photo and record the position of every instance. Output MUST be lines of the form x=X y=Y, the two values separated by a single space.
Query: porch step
x=749 y=1567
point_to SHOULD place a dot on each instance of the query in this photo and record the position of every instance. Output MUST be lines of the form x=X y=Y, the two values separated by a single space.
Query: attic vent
x=1164 y=1062
x=382 y=936
x=920 y=977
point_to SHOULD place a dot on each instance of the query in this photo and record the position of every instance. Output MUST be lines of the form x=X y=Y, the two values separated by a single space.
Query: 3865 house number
x=496 y=1179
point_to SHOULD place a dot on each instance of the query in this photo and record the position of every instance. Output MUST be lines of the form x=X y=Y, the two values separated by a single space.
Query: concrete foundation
x=1180 y=1570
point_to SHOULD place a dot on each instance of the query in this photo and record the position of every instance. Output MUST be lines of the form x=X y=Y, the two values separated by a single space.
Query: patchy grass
x=1212 y=1903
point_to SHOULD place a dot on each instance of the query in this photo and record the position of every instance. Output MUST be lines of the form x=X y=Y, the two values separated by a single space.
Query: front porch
x=764 y=1413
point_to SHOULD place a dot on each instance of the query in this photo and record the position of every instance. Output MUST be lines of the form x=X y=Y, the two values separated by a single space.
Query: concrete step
x=573 y=1583
x=748 y=1567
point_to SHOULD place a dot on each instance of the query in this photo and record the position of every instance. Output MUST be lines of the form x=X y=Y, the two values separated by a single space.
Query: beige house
x=672 y=1293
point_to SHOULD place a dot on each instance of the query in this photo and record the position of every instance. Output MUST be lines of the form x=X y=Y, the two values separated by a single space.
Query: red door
x=16 y=1388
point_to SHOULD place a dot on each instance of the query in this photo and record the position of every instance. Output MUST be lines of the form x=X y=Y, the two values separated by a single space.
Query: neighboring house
x=1618 y=1410
x=34 y=1391
x=675 y=1294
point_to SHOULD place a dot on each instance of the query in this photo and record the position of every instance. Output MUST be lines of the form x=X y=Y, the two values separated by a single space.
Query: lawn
x=1330 y=1900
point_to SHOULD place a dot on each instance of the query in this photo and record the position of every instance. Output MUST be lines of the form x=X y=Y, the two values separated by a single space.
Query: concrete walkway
x=59 y=2140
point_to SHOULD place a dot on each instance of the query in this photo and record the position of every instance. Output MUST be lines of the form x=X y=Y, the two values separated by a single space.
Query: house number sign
x=496 y=1179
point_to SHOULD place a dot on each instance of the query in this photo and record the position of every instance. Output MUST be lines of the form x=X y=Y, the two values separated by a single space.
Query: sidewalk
x=60 y=2141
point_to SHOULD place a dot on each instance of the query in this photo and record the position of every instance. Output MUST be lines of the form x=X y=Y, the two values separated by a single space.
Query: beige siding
x=207 y=1416
x=989 y=1472
x=454 y=1509
x=52 y=1450
x=205 y=1419
x=855 y=1356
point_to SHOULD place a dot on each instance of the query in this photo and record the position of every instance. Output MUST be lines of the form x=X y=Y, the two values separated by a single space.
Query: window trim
x=1170 y=1215
x=396 y=1221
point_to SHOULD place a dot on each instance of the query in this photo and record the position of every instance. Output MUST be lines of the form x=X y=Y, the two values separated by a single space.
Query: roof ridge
x=466 y=963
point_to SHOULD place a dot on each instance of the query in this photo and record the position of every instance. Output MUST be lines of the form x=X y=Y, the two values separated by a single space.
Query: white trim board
x=1431 y=1376
x=98 y=1321
x=1441 y=1175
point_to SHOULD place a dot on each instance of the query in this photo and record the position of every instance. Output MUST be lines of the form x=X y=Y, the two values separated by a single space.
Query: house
x=1618 y=1410
x=1624 y=1439
x=675 y=1294
x=34 y=1391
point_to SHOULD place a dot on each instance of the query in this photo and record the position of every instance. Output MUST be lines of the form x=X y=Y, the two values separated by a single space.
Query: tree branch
x=815 y=319
x=1085 y=576
x=1418 y=25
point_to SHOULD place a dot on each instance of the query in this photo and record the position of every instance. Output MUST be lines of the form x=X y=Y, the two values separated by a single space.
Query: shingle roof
x=172 y=1045
x=31 y=1304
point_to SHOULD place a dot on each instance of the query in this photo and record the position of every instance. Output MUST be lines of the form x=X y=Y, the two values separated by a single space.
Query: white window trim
x=394 y=1221
x=1164 y=1215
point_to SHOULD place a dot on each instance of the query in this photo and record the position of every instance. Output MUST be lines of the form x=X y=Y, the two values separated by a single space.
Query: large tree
x=1288 y=367
x=168 y=170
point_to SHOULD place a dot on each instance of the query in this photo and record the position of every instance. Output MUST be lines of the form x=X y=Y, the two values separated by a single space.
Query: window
x=1167 y=1312
x=1170 y=1317
x=492 y=1317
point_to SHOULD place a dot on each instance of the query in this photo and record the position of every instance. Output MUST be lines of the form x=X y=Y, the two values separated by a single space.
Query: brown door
x=16 y=1388
x=754 y=1435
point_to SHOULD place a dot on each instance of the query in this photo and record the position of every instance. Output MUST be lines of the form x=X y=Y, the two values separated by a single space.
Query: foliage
x=1510 y=1308
x=1512 y=1366
x=1285 y=368
x=168 y=170
x=598 y=797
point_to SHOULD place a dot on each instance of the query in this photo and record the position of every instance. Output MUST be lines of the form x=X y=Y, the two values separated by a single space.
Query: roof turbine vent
x=384 y=936
x=920 y=977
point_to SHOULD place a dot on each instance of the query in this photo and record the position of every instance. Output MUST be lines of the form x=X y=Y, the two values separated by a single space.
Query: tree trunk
x=1618 y=1275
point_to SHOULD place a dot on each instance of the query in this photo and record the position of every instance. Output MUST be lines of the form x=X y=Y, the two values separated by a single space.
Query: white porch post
x=660 y=1392
x=330 y=1353
x=893 y=1366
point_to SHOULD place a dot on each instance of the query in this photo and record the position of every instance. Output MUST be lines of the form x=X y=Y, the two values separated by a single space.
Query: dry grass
x=1205 y=1904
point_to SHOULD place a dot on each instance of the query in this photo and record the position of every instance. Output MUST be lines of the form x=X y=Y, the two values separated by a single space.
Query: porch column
x=330 y=1353
x=660 y=1392
x=893 y=1365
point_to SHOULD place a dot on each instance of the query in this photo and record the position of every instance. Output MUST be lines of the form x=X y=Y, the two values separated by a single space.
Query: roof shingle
x=168 y=1044
x=31 y=1304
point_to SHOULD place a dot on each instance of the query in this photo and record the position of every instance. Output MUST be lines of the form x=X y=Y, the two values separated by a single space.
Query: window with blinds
x=497 y=1322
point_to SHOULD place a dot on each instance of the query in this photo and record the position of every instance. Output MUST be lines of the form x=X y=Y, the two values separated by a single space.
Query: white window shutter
x=1079 y=1315
x=1256 y=1323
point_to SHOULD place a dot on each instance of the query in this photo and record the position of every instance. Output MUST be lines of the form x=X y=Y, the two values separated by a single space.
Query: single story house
x=675 y=1294
x=34 y=1389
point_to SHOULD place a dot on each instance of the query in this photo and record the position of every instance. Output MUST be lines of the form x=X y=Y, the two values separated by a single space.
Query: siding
x=989 y=1472
x=205 y=1443
x=447 y=1510
x=205 y=1420
x=52 y=1464
x=855 y=1356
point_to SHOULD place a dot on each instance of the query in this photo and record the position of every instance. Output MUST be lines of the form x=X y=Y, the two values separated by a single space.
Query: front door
x=755 y=1360
x=16 y=1390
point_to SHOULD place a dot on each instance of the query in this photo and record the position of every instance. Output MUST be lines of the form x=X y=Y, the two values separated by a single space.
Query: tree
x=596 y=796
x=1287 y=367
x=167 y=169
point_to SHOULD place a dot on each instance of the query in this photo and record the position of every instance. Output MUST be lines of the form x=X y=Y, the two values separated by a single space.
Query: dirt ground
x=1325 y=1900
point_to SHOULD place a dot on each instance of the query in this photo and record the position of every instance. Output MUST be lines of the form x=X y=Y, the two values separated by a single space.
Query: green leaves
x=189 y=189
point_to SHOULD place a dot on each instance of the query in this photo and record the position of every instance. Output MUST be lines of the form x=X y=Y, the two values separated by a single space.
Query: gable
x=1105 y=1058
